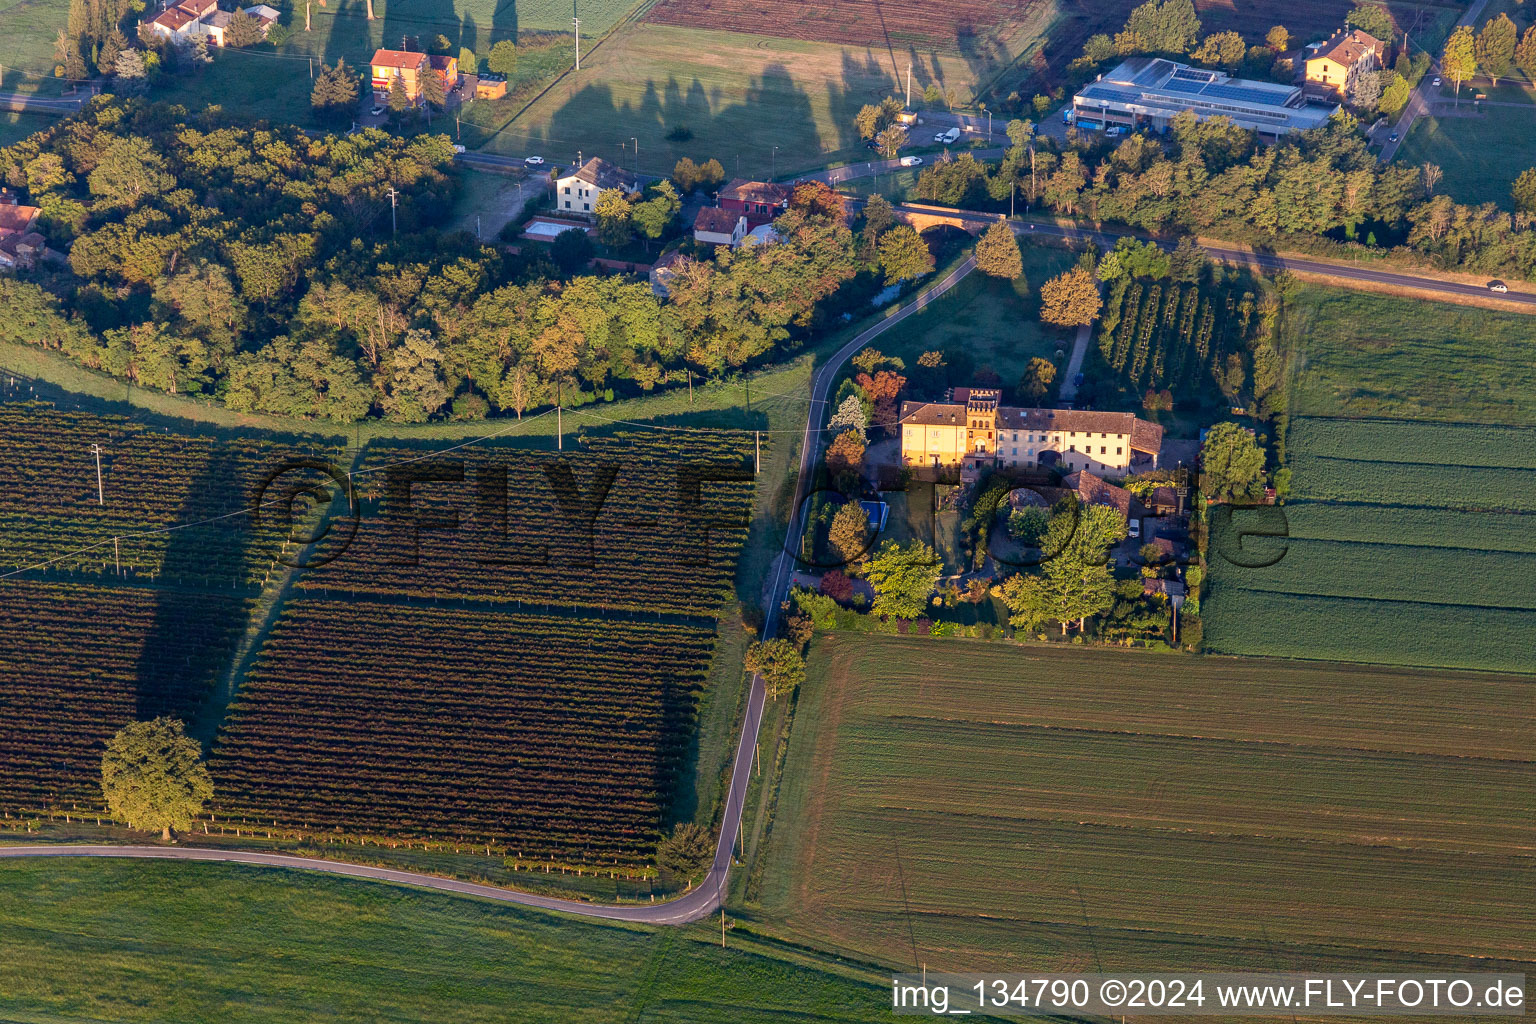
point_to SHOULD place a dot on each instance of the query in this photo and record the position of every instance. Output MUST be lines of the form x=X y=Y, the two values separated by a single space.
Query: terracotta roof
x=1146 y=437
x=173 y=18
x=439 y=62
x=716 y=221
x=17 y=218
x=757 y=191
x=397 y=59
x=602 y=174
x=1094 y=491
x=1347 y=48
x=1165 y=497
x=933 y=414
x=198 y=8
x=1152 y=586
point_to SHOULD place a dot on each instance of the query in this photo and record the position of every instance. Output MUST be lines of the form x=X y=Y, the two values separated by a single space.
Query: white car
x=1436 y=82
x=377 y=112
x=1133 y=529
x=1498 y=286
x=533 y=161
x=911 y=161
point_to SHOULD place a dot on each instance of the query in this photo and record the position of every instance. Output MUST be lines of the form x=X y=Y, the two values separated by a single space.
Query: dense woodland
x=259 y=265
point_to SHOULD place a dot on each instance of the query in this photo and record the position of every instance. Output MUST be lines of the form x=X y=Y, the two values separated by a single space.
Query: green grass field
x=1363 y=354
x=979 y=806
x=994 y=324
x=1413 y=449
x=1408 y=545
x=739 y=95
x=140 y=942
x=1481 y=155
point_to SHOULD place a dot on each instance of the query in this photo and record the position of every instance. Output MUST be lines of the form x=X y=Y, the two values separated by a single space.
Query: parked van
x=947 y=137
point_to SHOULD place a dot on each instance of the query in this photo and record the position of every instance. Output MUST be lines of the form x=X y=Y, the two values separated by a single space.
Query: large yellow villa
x=971 y=430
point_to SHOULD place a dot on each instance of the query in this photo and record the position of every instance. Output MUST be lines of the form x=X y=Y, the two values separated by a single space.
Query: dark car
x=1393 y=137
x=1078 y=380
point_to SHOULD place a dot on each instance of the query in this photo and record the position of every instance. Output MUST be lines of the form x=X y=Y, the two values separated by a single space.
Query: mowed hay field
x=987 y=807
x=739 y=95
x=1364 y=354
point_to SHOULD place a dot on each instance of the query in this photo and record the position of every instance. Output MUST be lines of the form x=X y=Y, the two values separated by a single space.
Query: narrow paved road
x=696 y=903
x=1419 y=99
x=1106 y=238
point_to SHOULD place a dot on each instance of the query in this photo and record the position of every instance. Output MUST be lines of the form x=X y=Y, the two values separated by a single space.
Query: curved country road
x=692 y=905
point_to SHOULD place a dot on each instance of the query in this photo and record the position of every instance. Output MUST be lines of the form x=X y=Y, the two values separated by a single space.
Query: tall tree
x=130 y=76
x=1495 y=47
x=1523 y=191
x=997 y=252
x=1459 y=60
x=1278 y=38
x=1232 y=464
x=153 y=777
x=903 y=578
x=399 y=101
x=904 y=256
x=1525 y=53
x=434 y=89
x=1371 y=19
x=242 y=31
x=687 y=851
x=502 y=59
x=849 y=535
x=1171 y=26
x=613 y=216
x=1070 y=299
x=779 y=663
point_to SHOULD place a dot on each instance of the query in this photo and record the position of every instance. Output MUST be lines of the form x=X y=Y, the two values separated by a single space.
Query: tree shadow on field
x=740 y=134
x=200 y=595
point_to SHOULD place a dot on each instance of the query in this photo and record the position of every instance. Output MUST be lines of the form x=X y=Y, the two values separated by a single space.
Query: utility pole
x=118 y=561
x=775 y=164
x=306 y=15
x=690 y=384
x=458 y=129
x=908 y=104
x=311 y=69
x=757 y=452
x=559 y=418
x=637 y=154
x=722 y=927
x=577 y=23
x=392 y=195
x=101 y=495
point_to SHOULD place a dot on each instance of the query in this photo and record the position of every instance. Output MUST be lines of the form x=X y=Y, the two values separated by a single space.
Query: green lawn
x=739 y=95
x=1362 y=354
x=1403 y=546
x=984 y=806
x=140 y=942
x=984 y=323
x=16 y=126
x=1413 y=449
x=1481 y=155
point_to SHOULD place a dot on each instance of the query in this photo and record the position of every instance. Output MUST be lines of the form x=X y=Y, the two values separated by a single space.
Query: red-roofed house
x=716 y=226
x=447 y=69
x=407 y=66
x=761 y=202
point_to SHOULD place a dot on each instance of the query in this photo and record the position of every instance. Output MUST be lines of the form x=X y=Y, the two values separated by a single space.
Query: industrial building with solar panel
x=1149 y=91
